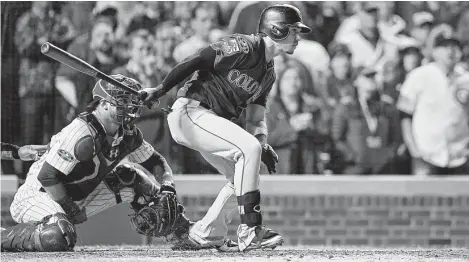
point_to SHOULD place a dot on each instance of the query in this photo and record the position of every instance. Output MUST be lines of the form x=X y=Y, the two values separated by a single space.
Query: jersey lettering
x=243 y=81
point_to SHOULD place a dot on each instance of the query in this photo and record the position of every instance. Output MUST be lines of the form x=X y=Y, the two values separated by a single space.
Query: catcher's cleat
x=265 y=238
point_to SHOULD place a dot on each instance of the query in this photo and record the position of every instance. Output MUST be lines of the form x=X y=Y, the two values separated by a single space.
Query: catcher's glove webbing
x=159 y=217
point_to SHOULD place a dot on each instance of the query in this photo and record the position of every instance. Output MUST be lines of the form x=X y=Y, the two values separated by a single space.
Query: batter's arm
x=202 y=60
x=256 y=123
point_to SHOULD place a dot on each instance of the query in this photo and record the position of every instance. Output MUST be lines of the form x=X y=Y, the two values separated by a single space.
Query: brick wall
x=360 y=220
x=372 y=211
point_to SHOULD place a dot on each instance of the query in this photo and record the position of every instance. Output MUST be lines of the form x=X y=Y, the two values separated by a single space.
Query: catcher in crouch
x=90 y=166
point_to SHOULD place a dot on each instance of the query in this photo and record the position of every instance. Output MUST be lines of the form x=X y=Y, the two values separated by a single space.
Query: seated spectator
x=364 y=132
x=202 y=22
x=434 y=105
x=296 y=130
x=96 y=48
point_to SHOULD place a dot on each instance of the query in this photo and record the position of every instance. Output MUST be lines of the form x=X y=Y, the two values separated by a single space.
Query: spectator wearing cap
x=202 y=22
x=363 y=130
x=95 y=47
x=433 y=102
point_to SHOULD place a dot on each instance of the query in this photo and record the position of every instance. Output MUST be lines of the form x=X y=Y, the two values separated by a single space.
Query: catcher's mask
x=128 y=106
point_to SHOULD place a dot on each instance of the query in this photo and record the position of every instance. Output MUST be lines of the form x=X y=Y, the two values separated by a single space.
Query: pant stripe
x=244 y=156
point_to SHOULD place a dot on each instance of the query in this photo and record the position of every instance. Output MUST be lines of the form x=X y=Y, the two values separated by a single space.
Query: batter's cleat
x=265 y=238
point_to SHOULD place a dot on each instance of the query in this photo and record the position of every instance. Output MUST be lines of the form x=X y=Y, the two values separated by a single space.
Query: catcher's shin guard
x=53 y=233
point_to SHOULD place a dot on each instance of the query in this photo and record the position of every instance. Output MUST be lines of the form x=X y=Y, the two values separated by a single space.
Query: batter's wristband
x=11 y=148
x=262 y=138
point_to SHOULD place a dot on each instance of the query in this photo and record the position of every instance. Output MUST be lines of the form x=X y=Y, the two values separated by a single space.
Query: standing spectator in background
x=296 y=128
x=433 y=102
x=202 y=22
x=36 y=91
x=328 y=21
x=363 y=130
x=419 y=33
x=95 y=47
x=366 y=44
x=390 y=24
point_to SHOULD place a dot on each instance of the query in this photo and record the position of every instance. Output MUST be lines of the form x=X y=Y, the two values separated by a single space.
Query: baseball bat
x=76 y=63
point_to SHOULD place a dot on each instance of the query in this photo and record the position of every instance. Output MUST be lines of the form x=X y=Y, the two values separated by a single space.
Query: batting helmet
x=276 y=21
x=129 y=106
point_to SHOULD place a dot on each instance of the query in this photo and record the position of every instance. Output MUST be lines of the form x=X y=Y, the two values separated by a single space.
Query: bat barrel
x=45 y=48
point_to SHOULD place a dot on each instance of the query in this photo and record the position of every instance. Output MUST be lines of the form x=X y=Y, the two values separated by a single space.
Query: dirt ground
x=287 y=254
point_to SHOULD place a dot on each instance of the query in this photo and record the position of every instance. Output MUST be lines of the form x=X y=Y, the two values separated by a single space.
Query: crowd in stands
x=375 y=88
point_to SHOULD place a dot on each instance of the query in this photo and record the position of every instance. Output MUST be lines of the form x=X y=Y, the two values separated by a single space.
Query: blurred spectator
x=245 y=17
x=366 y=44
x=364 y=130
x=328 y=21
x=141 y=66
x=296 y=130
x=202 y=23
x=167 y=36
x=389 y=22
x=95 y=47
x=410 y=57
x=433 y=101
x=182 y=16
x=43 y=23
x=338 y=83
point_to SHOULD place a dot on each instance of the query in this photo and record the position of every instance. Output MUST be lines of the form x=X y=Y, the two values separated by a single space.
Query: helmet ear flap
x=279 y=31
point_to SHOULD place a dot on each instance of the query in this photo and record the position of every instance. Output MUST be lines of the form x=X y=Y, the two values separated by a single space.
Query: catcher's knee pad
x=250 y=208
x=53 y=233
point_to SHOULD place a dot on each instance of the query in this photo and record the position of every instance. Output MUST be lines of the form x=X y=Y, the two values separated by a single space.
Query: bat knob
x=45 y=47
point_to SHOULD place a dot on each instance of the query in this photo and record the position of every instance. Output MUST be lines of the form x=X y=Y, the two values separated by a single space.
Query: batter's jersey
x=240 y=76
x=82 y=153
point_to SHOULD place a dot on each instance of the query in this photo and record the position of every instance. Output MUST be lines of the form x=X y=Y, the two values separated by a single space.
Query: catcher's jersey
x=240 y=76
x=82 y=152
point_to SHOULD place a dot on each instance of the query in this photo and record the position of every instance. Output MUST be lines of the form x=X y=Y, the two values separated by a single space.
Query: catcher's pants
x=230 y=149
x=30 y=204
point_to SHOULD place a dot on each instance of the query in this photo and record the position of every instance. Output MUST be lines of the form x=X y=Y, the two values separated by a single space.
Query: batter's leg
x=202 y=130
x=212 y=229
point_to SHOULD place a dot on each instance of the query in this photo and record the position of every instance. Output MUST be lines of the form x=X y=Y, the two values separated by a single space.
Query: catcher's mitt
x=159 y=217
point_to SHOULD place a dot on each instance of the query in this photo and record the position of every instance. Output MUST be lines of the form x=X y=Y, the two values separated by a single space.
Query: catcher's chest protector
x=97 y=155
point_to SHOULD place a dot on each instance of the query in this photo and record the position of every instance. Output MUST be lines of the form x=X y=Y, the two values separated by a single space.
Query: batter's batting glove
x=269 y=158
x=151 y=96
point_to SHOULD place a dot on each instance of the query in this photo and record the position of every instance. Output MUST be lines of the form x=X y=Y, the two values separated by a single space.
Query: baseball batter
x=90 y=166
x=232 y=75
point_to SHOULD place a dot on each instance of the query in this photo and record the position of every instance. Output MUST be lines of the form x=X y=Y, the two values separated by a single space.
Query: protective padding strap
x=53 y=233
x=250 y=209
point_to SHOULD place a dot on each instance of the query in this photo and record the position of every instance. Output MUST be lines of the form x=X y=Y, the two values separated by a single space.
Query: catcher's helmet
x=129 y=106
x=276 y=19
